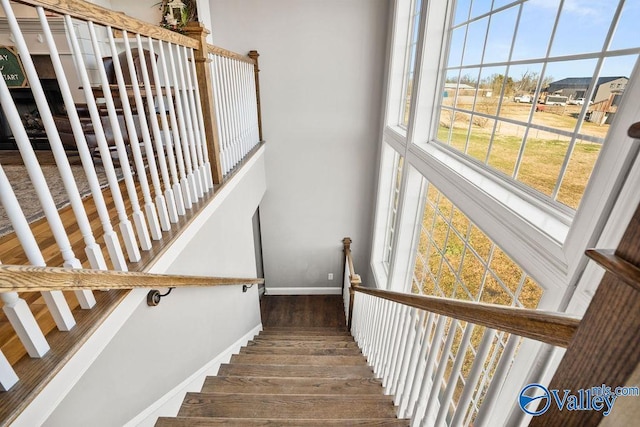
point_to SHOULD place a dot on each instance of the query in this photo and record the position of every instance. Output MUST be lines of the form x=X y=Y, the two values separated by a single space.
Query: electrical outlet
x=330 y=276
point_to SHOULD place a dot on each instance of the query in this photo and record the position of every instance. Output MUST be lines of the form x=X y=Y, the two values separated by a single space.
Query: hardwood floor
x=303 y=311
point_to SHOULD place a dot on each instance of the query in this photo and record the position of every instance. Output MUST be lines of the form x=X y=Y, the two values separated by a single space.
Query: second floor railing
x=145 y=120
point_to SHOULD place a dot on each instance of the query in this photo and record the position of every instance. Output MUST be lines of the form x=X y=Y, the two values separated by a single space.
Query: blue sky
x=582 y=28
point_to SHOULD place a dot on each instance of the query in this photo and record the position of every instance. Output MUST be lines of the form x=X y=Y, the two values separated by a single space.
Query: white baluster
x=396 y=356
x=491 y=397
x=149 y=208
x=222 y=123
x=245 y=108
x=17 y=311
x=55 y=301
x=366 y=307
x=386 y=331
x=85 y=298
x=126 y=229
x=203 y=136
x=373 y=334
x=452 y=382
x=411 y=358
x=224 y=94
x=173 y=194
x=403 y=352
x=110 y=237
x=409 y=400
x=184 y=182
x=163 y=206
x=391 y=343
x=380 y=335
x=182 y=119
x=138 y=217
x=8 y=377
x=431 y=382
x=192 y=123
x=472 y=380
x=235 y=111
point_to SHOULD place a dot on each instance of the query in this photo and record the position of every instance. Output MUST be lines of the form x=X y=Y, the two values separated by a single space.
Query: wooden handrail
x=20 y=278
x=551 y=328
x=215 y=50
x=90 y=12
x=616 y=265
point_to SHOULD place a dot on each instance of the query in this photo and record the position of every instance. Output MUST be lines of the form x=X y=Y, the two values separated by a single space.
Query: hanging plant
x=177 y=13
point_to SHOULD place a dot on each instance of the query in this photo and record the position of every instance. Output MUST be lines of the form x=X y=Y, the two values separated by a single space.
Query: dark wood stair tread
x=302 y=337
x=301 y=344
x=216 y=421
x=299 y=371
x=305 y=332
x=290 y=406
x=292 y=385
x=301 y=351
x=283 y=359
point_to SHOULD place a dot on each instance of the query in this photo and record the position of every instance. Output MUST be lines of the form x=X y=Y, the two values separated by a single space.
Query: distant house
x=577 y=87
x=463 y=89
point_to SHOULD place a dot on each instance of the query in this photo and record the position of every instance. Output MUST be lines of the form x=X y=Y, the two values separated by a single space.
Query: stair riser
x=301 y=344
x=301 y=351
x=267 y=359
x=257 y=385
x=306 y=333
x=285 y=406
x=330 y=338
x=283 y=371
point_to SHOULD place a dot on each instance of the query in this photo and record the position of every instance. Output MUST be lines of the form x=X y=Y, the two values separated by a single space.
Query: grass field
x=542 y=159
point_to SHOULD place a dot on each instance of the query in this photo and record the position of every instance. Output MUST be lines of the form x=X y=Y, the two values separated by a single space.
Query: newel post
x=355 y=281
x=197 y=31
x=253 y=54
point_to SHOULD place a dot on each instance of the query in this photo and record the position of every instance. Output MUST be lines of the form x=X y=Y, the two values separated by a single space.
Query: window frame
x=540 y=237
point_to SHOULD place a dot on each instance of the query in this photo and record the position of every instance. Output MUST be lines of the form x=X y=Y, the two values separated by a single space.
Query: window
x=455 y=259
x=524 y=91
x=387 y=211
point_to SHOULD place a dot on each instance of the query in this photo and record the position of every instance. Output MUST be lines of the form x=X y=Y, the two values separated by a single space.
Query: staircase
x=291 y=376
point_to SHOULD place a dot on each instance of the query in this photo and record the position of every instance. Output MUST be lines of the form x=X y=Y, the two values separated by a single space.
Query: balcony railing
x=156 y=118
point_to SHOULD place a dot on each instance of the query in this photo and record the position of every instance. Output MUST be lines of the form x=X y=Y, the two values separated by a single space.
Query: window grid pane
x=527 y=101
x=455 y=259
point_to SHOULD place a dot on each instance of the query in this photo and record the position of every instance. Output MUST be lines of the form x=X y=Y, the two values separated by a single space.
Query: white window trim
x=383 y=205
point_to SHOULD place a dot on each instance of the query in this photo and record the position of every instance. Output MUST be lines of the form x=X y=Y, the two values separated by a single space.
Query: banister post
x=355 y=281
x=346 y=248
x=253 y=54
x=197 y=31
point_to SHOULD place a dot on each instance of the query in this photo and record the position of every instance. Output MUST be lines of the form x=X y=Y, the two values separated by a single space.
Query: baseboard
x=168 y=405
x=303 y=291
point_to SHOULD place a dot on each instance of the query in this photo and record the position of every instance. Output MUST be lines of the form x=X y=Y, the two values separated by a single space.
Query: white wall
x=322 y=64
x=159 y=347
